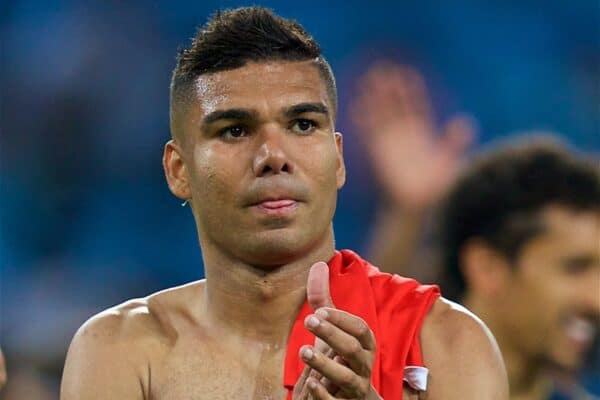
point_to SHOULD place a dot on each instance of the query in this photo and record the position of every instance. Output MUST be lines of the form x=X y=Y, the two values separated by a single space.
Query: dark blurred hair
x=499 y=198
x=232 y=38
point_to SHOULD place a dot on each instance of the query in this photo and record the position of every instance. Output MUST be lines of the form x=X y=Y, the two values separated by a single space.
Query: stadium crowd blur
x=87 y=220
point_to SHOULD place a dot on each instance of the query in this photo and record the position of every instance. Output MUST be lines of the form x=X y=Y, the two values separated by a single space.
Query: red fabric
x=392 y=306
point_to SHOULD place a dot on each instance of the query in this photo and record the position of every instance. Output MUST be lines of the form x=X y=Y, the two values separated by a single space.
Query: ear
x=175 y=170
x=341 y=166
x=486 y=271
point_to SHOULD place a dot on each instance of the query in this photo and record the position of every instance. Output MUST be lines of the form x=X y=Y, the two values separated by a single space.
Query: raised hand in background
x=414 y=162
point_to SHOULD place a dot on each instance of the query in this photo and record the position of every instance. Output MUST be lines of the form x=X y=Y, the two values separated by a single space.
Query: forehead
x=567 y=235
x=562 y=220
x=566 y=228
x=260 y=86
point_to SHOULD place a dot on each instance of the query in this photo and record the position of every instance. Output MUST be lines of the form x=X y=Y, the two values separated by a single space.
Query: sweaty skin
x=260 y=162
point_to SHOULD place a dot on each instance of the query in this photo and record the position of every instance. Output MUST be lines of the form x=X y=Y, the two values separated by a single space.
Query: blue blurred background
x=87 y=220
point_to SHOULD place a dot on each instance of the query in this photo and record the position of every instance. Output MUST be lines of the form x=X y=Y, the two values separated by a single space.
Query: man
x=256 y=155
x=520 y=237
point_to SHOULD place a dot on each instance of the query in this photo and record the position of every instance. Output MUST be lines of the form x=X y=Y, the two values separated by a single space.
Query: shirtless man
x=255 y=153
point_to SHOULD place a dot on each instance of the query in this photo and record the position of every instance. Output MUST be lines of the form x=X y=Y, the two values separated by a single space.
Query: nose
x=593 y=302
x=271 y=157
x=589 y=295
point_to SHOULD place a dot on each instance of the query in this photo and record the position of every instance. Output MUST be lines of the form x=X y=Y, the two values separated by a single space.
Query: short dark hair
x=499 y=199
x=232 y=38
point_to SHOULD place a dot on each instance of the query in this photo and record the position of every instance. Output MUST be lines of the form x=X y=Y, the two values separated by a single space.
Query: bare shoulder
x=119 y=325
x=451 y=323
x=109 y=355
x=461 y=354
x=105 y=359
x=136 y=320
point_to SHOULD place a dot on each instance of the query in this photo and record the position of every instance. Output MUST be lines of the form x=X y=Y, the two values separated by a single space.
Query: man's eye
x=233 y=132
x=303 y=126
x=577 y=266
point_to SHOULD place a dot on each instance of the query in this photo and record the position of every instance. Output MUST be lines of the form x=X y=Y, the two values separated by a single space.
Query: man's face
x=263 y=162
x=552 y=299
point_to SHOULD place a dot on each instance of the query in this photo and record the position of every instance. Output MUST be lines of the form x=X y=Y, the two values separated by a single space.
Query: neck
x=254 y=303
x=527 y=380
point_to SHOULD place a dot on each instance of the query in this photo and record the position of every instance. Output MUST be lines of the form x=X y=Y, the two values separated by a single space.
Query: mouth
x=580 y=330
x=277 y=207
x=274 y=204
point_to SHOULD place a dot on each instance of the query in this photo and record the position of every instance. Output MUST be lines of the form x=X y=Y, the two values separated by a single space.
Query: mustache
x=589 y=315
x=275 y=188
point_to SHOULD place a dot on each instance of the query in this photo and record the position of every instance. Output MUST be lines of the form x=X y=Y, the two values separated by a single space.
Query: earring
x=185 y=203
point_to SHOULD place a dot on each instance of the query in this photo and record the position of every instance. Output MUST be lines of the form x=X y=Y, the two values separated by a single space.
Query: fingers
x=317 y=286
x=324 y=348
x=339 y=375
x=301 y=383
x=300 y=389
x=329 y=385
x=348 y=335
x=390 y=92
x=405 y=87
x=318 y=391
x=459 y=133
x=349 y=323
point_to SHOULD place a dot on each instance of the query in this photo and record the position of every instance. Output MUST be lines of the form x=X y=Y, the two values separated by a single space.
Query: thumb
x=459 y=133
x=317 y=286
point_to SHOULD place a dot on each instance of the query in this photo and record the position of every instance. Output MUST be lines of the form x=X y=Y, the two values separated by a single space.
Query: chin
x=276 y=252
x=272 y=248
x=567 y=359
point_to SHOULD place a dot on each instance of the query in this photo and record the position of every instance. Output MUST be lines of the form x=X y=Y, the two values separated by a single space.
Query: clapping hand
x=340 y=363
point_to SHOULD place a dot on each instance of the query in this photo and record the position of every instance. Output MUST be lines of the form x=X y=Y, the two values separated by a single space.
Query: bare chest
x=202 y=369
x=201 y=375
x=199 y=371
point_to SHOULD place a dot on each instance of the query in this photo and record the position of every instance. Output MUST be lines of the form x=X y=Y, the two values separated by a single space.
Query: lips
x=280 y=208
x=275 y=193
x=275 y=204
x=580 y=330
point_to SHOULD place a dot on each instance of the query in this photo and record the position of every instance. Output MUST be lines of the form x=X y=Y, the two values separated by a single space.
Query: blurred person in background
x=529 y=205
x=256 y=154
x=519 y=235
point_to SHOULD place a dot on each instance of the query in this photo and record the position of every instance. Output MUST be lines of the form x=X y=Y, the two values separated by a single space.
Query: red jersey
x=392 y=306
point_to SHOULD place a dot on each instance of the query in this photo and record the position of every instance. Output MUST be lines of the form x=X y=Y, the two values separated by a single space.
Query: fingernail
x=312 y=322
x=323 y=314
x=312 y=384
x=307 y=353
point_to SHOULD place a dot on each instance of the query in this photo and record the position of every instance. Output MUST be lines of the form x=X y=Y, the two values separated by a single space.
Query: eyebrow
x=241 y=114
x=579 y=260
x=302 y=108
x=232 y=114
